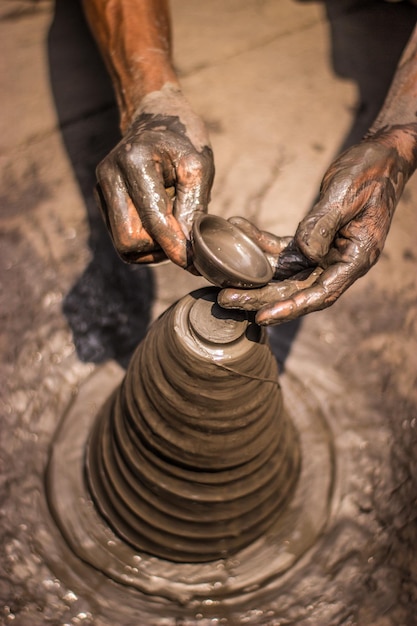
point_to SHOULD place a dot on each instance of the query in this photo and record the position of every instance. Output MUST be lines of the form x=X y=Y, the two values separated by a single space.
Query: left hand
x=344 y=233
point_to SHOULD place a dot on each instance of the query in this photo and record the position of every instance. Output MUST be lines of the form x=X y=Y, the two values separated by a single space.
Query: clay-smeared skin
x=344 y=233
x=146 y=223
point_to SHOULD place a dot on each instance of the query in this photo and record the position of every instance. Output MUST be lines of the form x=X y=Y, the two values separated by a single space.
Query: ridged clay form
x=194 y=457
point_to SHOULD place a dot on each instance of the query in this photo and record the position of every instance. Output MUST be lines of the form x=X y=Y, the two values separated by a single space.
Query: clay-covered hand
x=290 y=267
x=344 y=233
x=155 y=180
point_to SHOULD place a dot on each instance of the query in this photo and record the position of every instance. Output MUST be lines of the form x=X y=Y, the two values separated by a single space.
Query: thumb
x=317 y=231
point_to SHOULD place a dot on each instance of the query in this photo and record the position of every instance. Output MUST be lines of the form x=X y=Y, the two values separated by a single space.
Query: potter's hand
x=344 y=233
x=290 y=267
x=153 y=182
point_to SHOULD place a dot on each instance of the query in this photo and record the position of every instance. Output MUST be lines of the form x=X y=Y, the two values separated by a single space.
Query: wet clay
x=226 y=256
x=194 y=458
x=204 y=477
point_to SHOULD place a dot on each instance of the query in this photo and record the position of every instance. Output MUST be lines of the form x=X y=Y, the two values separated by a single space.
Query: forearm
x=134 y=38
x=396 y=124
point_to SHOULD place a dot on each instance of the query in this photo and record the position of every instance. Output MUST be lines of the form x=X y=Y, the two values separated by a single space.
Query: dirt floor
x=282 y=86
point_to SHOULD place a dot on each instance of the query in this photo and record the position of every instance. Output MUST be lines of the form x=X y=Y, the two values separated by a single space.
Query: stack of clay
x=194 y=457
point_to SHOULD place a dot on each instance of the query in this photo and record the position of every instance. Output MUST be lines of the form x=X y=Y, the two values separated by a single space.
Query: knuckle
x=193 y=167
x=104 y=169
x=125 y=243
x=132 y=155
x=128 y=240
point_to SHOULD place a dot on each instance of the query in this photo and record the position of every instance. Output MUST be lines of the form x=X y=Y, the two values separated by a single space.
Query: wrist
x=141 y=84
x=399 y=108
x=402 y=138
x=134 y=37
x=169 y=103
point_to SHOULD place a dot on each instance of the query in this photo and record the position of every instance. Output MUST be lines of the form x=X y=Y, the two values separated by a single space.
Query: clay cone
x=193 y=457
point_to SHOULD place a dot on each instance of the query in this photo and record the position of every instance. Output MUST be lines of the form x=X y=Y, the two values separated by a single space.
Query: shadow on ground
x=109 y=307
x=367 y=40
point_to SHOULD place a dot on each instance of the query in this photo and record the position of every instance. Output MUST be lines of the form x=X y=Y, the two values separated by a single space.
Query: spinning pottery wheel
x=193 y=478
x=194 y=457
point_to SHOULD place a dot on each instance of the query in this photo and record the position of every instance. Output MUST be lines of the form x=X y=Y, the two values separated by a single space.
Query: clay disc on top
x=214 y=324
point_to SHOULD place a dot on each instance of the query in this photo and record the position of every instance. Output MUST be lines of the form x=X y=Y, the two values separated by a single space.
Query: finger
x=340 y=201
x=316 y=232
x=155 y=208
x=268 y=242
x=130 y=238
x=325 y=290
x=195 y=175
x=283 y=254
x=254 y=299
x=151 y=253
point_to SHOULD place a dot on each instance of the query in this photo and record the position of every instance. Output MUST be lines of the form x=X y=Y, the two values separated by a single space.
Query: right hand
x=343 y=234
x=154 y=181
